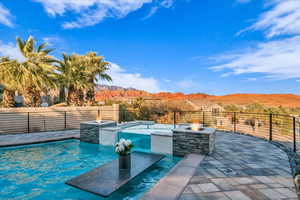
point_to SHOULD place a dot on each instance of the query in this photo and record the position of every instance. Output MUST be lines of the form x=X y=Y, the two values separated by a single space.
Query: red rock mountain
x=118 y=93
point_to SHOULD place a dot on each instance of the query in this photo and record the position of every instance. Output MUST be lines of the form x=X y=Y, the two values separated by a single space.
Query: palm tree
x=96 y=70
x=39 y=69
x=71 y=77
x=78 y=74
x=11 y=77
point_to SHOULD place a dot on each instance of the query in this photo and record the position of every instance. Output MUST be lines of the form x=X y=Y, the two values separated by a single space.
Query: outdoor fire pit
x=193 y=139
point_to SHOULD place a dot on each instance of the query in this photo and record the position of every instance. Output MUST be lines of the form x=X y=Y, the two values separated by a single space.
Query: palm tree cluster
x=75 y=76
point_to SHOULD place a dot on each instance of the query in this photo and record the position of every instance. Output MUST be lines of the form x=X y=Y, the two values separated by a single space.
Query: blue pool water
x=140 y=135
x=39 y=171
x=141 y=142
x=148 y=129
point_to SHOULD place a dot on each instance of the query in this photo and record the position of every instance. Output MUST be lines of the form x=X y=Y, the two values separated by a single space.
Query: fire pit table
x=188 y=140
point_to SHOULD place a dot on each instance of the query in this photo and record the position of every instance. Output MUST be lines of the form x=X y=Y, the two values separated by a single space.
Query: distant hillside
x=105 y=92
x=284 y=100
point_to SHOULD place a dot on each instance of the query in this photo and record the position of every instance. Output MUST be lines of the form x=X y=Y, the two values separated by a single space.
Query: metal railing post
x=28 y=122
x=65 y=119
x=234 y=122
x=270 y=126
x=174 y=119
x=294 y=134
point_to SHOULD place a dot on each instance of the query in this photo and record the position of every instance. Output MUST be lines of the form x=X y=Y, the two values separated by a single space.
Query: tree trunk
x=72 y=96
x=27 y=95
x=90 y=95
x=37 y=99
x=32 y=97
x=8 y=98
x=62 y=95
x=80 y=100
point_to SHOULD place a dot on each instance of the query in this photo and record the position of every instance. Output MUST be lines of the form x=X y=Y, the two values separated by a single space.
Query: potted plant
x=123 y=148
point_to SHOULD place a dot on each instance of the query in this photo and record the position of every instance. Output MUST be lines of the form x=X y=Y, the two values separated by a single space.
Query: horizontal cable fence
x=283 y=129
x=28 y=122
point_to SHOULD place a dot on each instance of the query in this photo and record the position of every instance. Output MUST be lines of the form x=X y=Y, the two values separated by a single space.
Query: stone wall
x=89 y=131
x=186 y=142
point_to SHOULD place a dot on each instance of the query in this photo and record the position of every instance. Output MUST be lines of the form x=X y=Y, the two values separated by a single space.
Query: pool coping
x=37 y=138
x=39 y=142
x=170 y=187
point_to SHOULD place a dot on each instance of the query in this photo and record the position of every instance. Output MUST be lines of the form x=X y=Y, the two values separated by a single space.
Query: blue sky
x=207 y=46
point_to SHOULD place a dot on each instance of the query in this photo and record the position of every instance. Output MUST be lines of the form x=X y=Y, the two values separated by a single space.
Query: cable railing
x=28 y=122
x=283 y=129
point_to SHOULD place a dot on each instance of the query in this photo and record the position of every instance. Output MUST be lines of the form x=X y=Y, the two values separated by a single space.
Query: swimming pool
x=39 y=171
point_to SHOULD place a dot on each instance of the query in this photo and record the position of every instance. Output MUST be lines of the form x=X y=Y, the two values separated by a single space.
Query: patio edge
x=172 y=185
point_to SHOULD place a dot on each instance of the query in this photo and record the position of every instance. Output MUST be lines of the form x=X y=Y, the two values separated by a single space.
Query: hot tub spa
x=151 y=137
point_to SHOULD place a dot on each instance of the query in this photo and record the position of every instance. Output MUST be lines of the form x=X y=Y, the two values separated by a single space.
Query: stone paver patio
x=242 y=168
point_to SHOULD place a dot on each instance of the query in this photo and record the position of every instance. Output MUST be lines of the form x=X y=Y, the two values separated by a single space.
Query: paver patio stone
x=245 y=180
x=265 y=179
x=286 y=192
x=272 y=194
x=275 y=185
x=258 y=186
x=208 y=187
x=224 y=184
x=244 y=168
x=199 y=179
x=188 y=190
x=189 y=197
x=254 y=194
x=237 y=195
x=213 y=196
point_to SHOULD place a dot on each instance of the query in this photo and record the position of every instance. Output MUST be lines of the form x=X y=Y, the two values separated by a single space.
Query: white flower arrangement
x=123 y=147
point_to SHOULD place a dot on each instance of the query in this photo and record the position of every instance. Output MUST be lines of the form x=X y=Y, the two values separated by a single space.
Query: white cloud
x=5 y=16
x=282 y=18
x=124 y=79
x=152 y=11
x=91 y=12
x=276 y=59
x=162 y=4
x=52 y=40
x=10 y=50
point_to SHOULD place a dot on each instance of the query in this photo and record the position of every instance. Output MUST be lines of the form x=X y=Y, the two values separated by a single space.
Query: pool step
x=172 y=185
